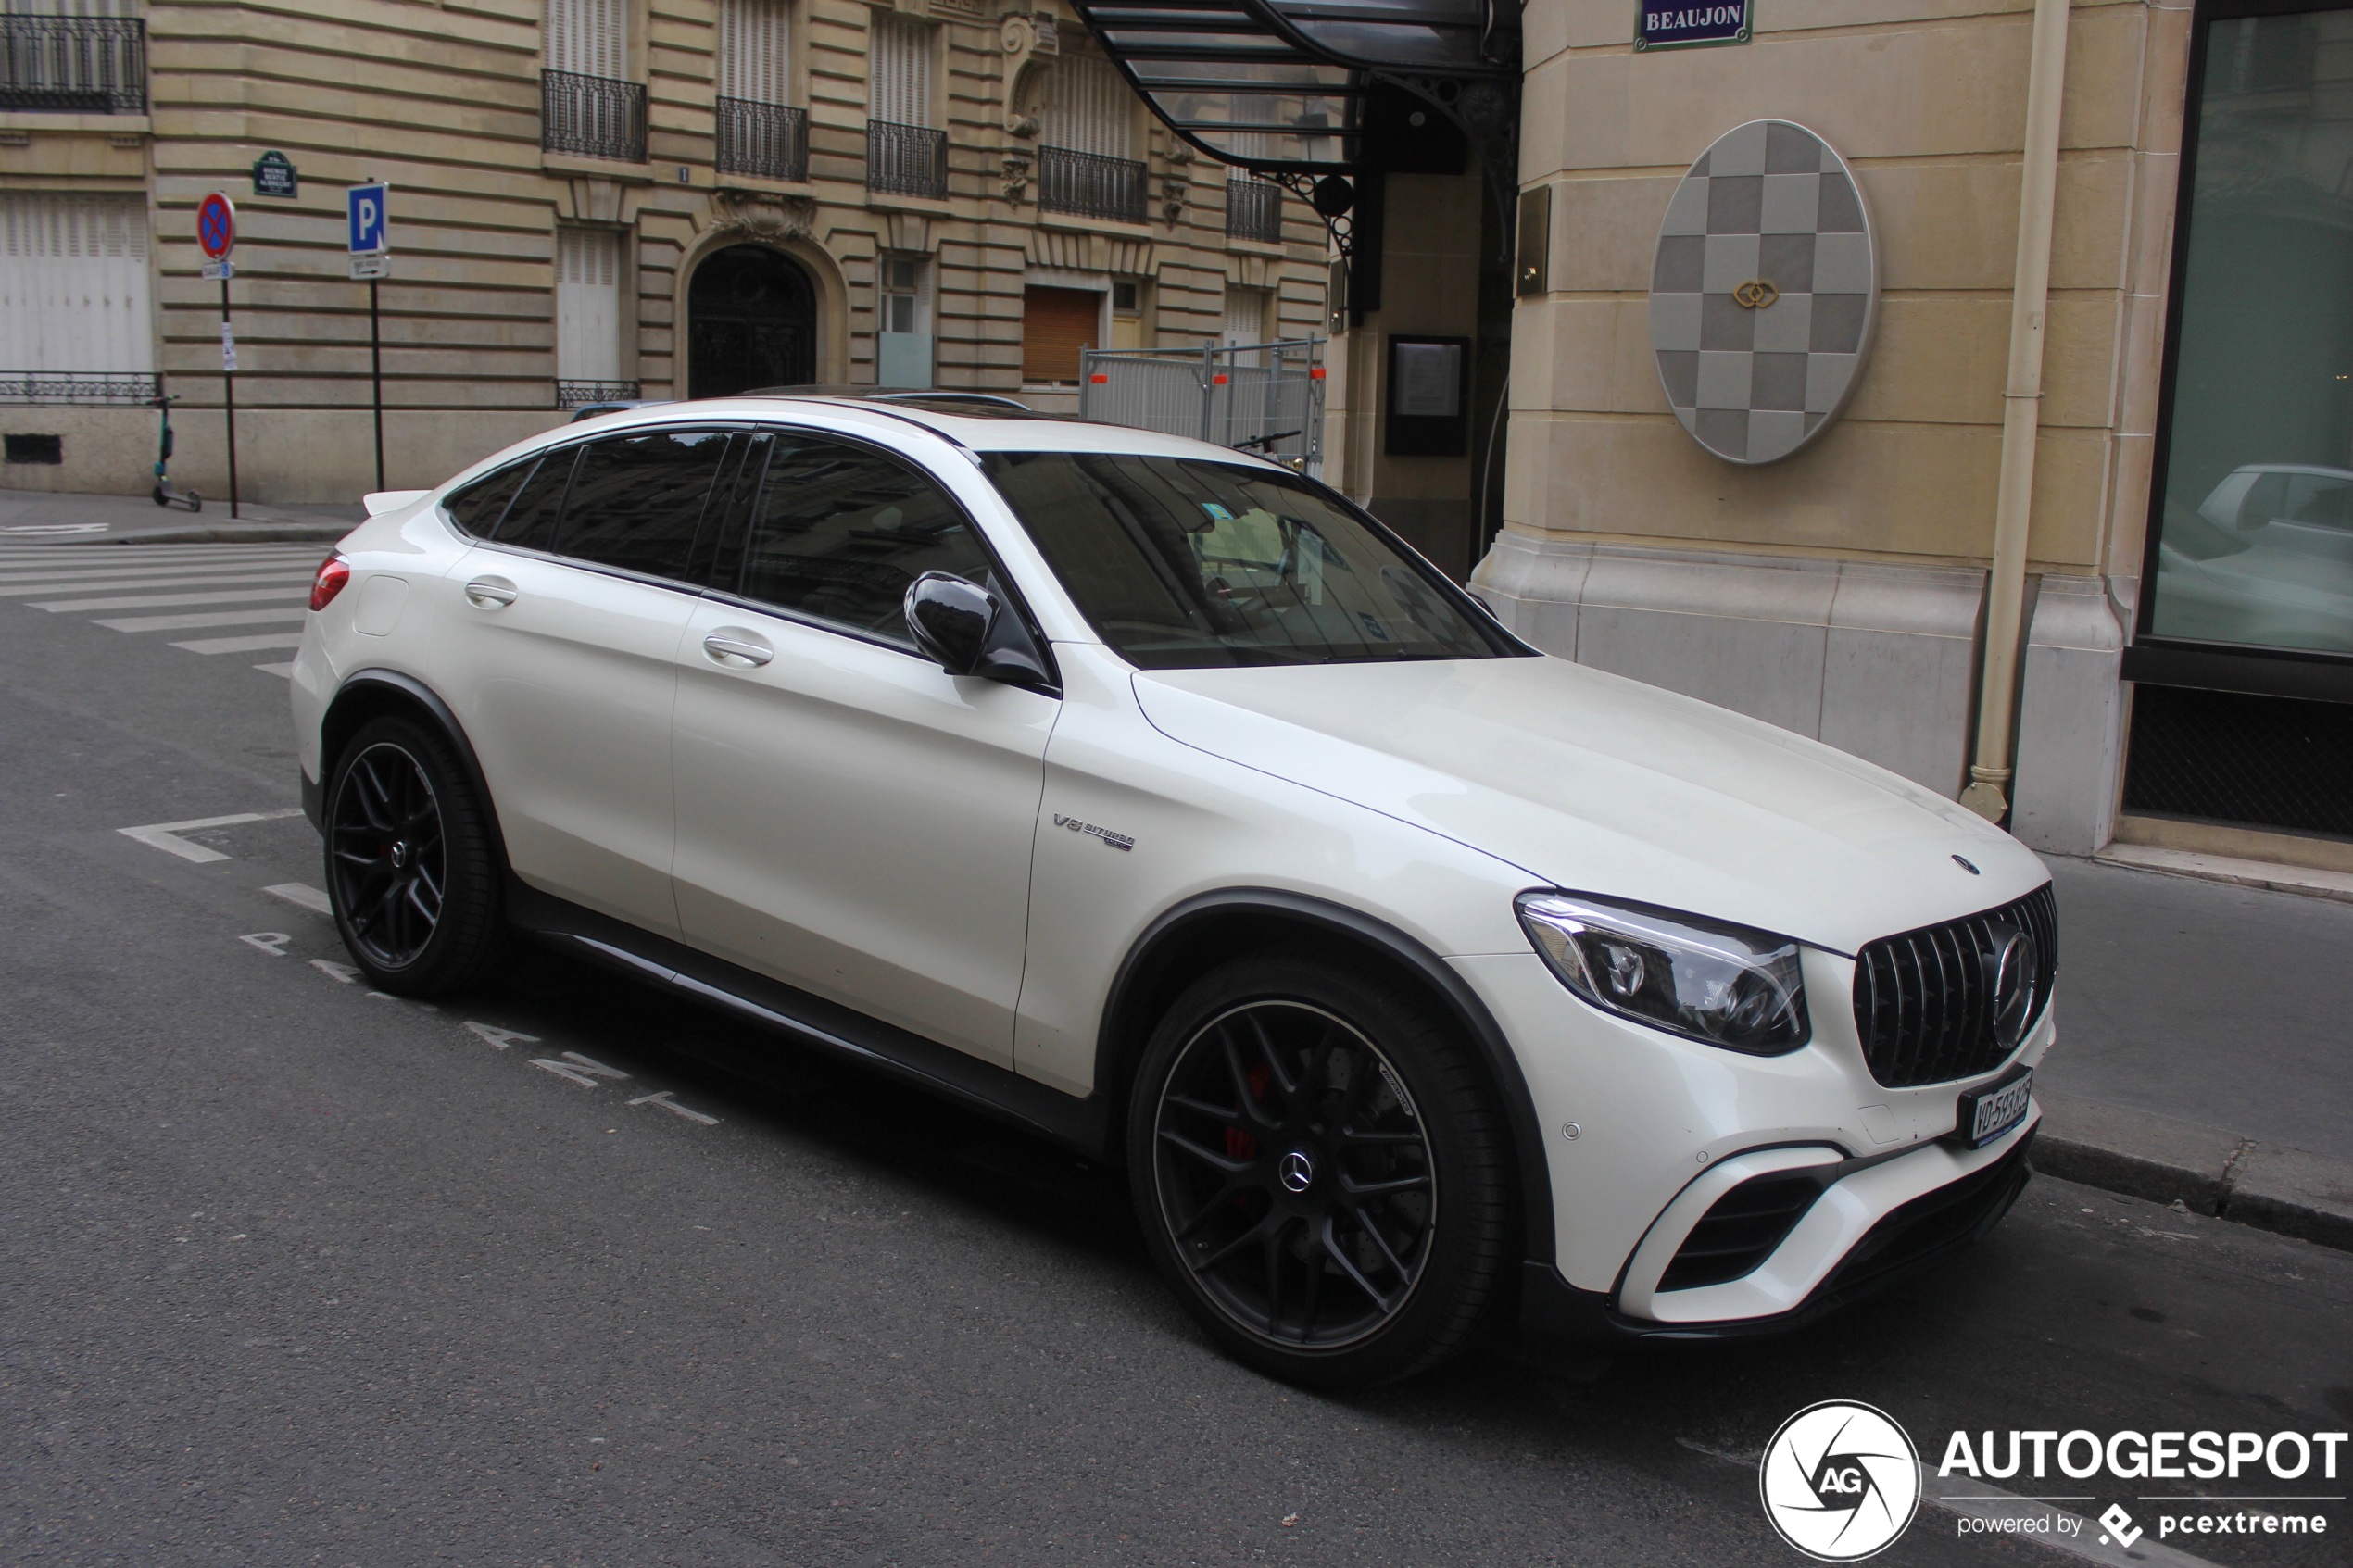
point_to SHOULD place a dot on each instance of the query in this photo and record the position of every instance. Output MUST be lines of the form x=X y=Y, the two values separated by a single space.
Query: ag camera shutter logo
x=1840 y=1481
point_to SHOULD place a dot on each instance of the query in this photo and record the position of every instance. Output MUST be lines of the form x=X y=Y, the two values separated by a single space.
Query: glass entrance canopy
x=1279 y=86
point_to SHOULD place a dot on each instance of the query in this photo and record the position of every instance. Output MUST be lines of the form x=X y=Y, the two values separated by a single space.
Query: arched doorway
x=751 y=316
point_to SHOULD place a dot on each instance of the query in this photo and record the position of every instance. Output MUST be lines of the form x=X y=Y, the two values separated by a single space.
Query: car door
x=559 y=656
x=853 y=820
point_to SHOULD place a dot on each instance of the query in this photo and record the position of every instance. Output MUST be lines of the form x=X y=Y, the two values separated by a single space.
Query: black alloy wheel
x=1298 y=1132
x=1293 y=1173
x=384 y=845
x=411 y=874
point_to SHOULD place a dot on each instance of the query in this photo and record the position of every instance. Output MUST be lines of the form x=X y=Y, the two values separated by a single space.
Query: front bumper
x=1898 y=1242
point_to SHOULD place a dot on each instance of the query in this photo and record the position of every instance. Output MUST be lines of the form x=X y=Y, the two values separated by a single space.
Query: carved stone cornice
x=764 y=216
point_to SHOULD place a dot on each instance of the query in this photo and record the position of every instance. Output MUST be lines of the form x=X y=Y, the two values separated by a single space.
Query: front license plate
x=1989 y=1112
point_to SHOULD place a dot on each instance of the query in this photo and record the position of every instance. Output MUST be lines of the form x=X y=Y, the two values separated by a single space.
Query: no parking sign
x=216 y=226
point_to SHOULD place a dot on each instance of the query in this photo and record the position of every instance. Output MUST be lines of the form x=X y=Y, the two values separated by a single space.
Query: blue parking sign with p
x=366 y=206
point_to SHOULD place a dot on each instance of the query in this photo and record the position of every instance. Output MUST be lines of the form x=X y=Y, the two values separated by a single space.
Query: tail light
x=333 y=575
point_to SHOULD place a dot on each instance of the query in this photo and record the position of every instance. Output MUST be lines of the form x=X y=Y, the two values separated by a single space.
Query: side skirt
x=1079 y=1124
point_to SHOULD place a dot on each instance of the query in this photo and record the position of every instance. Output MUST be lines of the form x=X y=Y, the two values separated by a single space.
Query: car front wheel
x=1321 y=1170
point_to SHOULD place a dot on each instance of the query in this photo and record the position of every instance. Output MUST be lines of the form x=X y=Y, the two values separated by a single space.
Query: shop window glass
x=2254 y=539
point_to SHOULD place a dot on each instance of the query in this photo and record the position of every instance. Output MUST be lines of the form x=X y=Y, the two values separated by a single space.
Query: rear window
x=1181 y=563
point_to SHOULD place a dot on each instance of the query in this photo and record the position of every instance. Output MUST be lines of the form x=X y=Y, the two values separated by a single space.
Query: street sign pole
x=376 y=374
x=216 y=236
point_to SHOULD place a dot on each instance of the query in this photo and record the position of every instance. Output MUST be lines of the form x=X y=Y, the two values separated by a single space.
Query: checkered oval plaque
x=1764 y=292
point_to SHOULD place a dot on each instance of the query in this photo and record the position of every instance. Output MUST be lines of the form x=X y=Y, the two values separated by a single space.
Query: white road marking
x=344 y=973
x=209 y=617
x=54 y=527
x=310 y=898
x=244 y=645
x=168 y=601
x=20 y=585
x=283 y=672
x=165 y=835
x=271 y=942
x=577 y=1069
x=24 y=556
x=498 y=1038
x=663 y=1100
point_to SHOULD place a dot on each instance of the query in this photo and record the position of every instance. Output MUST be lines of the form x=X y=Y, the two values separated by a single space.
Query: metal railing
x=593 y=116
x=770 y=141
x=1253 y=209
x=1261 y=397
x=1091 y=185
x=110 y=389
x=577 y=394
x=907 y=160
x=73 y=65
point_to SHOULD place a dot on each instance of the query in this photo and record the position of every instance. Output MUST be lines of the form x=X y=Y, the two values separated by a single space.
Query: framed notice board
x=1429 y=392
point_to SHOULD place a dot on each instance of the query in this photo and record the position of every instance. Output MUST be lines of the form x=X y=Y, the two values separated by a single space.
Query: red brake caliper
x=1240 y=1145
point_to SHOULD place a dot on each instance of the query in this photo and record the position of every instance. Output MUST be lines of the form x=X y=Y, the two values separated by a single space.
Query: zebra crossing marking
x=259 y=585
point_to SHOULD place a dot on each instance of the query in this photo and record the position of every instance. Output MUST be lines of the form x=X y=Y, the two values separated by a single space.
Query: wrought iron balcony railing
x=1091 y=185
x=580 y=393
x=907 y=160
x=593 y=116
x=73 y=65
x=114 y=389
x=768 y=141
x=1253 y=209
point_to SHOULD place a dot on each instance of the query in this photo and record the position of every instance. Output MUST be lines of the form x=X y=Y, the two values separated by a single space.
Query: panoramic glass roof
x=1280 y=85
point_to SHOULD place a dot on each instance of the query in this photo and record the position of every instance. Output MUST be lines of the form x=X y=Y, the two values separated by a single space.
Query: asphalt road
x=291 y=1273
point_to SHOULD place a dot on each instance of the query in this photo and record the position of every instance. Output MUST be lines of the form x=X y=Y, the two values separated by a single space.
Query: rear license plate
x=1986 y=1113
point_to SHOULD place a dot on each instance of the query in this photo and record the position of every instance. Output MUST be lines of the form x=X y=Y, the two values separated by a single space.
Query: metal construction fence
x=1260 y=397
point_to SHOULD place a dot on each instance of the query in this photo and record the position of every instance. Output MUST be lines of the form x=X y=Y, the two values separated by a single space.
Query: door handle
x=490 y=593
x=740 y=651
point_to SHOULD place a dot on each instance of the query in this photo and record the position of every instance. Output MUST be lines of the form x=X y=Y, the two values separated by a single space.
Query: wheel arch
x=1194 y=937
x=373 y=693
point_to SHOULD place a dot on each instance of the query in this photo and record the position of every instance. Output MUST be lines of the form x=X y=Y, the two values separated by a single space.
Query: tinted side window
x=530 y=522
x=637 y=499
x=839 y=532
x=478 y=506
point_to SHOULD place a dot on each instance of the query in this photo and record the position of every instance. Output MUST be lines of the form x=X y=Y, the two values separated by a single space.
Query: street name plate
x=1659 y=24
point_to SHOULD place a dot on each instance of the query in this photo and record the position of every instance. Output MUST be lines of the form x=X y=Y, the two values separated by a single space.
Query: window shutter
x=1089 y=108
x=73 y=282
x=1056 y=324
x=900 y=90
x=1245 y=317
x=588 y=38
x=587 y=304
x=755 y=50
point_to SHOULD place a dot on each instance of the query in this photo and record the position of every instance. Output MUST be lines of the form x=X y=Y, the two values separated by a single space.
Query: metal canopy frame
x=1279 y=87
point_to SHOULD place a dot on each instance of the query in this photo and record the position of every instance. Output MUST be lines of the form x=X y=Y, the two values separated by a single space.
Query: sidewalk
x=2204 y=1048
x=34 y=515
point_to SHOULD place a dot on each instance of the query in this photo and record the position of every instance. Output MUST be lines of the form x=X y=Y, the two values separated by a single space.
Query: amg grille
x=1924 y=1001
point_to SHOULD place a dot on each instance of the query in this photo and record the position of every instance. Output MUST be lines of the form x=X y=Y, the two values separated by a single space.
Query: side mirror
x=962 y=626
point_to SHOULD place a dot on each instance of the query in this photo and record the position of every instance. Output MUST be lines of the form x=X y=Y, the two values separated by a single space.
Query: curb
x=2140 y=1154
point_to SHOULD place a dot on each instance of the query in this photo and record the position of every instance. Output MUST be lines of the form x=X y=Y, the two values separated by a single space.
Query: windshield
x=1184 y=564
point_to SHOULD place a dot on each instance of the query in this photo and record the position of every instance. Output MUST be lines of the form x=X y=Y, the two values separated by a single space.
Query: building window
x=759 y=132
x=1057 y=326
x=1085 y=157
x=905 y=154
x=588 y=317
x=902 y=333
x=1254 y=208
x=76 y=318
x=73 y=56
x=586 y=104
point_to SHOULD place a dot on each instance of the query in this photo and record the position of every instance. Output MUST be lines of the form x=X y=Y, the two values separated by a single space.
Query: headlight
x=1721 y=984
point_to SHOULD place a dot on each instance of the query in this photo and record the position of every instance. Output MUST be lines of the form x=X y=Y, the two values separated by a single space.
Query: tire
x=1330 y=1223
x=412 y=874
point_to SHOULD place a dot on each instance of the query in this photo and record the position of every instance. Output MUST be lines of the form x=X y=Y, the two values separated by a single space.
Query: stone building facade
x=588 y=199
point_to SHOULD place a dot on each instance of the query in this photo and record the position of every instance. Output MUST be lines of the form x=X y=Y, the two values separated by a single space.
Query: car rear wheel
x=411 y=874
x=1321 y=1171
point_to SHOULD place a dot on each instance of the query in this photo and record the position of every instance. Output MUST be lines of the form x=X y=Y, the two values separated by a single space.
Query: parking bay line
x=283 y=672
x=209 y=618
x=244 y=645
x=166 y=836
x=302 y=897
x=166 y=601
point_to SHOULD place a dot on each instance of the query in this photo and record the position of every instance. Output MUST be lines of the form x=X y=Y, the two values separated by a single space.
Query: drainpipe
x=1988 y=790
